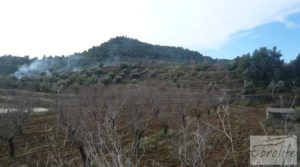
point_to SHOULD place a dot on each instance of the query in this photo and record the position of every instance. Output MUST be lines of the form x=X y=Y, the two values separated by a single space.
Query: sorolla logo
x=273 y=150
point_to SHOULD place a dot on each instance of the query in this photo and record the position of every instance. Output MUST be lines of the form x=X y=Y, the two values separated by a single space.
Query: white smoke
x=49 y=65
x=36 y=67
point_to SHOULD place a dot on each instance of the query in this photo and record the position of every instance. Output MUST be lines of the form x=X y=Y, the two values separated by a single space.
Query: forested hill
x=119 y=50
x=123 y=49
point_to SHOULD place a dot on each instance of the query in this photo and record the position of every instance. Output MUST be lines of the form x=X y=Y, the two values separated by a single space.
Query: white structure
x=283 y=113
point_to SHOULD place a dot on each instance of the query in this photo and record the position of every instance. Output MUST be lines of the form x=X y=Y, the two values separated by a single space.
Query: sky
x=217 y=28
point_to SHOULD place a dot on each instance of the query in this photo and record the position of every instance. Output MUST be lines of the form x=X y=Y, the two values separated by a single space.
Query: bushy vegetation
x=10 y=64
x=264 y=69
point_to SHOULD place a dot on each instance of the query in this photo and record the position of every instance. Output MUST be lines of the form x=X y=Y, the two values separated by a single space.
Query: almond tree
x=90 y=121
x=12 y=121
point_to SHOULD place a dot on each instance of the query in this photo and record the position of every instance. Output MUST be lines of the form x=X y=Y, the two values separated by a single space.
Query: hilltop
x=128 y=50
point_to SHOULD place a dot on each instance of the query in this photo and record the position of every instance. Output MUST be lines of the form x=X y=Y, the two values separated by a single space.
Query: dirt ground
x=34 y=146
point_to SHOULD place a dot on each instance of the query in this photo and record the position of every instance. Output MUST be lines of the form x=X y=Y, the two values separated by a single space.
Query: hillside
x=10 y=64
x=123 y=60
x=116 y=51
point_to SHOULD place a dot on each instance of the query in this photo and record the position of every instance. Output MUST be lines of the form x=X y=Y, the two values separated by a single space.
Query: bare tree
x=137 y=128
x=55 y=151
x=184 y=125
x=12 y=121
x=191 y=153
x=104 y=147
x=90 y=122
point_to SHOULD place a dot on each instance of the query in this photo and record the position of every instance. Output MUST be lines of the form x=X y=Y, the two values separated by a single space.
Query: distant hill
x=116 y=51
x=127 y=50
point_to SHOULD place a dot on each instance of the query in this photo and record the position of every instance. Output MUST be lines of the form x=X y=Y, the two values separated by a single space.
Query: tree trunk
x=165 y=129
x=83 y=156
x=11 y=147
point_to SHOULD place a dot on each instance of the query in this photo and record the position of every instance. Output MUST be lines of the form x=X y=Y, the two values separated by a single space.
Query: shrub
x=107 y=79
x=45 y=87
x=75 y=88
x=98 y=72
x=123 y=66
x=202 y=67
x=135 y=74
x=153 y=73
x=117 y=79
x=92 y=80
x=124 y=72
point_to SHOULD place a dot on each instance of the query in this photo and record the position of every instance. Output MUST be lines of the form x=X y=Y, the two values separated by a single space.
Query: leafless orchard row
x=108 y=131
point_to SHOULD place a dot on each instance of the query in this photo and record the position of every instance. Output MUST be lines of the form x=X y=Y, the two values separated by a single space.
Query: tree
x=280 y=87
x=8 y=82
x=10 y=64
x=271 y=87
x=12 y=122
x=296 y=68
x=91 y=125
x=262 y=66
x=249 y=87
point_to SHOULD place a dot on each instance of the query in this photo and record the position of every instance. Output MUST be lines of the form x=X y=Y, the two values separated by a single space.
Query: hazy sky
x=219 y=28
